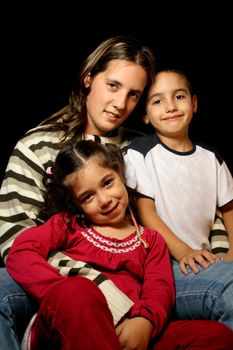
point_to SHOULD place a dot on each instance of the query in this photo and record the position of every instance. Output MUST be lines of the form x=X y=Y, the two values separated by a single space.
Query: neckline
x=114 y=138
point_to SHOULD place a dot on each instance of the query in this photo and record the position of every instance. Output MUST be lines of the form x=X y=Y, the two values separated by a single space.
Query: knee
x=217 y=333
x=74 y=292
x=223 y=335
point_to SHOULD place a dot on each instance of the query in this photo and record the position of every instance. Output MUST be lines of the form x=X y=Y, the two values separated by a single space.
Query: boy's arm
x=179 y=250
x=227 y=212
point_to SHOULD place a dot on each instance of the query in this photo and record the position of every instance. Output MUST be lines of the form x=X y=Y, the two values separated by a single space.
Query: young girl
x=92 y=223
x=111 y=84
x=180 y=184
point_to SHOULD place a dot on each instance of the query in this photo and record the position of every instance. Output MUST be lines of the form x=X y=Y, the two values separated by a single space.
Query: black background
x=43 y=45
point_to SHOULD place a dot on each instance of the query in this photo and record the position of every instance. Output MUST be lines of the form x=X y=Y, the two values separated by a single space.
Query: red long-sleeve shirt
x=143 y=274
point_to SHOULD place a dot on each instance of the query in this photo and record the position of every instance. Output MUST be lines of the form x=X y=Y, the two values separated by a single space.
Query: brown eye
x=134 y=94
x=87 y=197
x=108 y=182
x=112 y=86
x=156 y=102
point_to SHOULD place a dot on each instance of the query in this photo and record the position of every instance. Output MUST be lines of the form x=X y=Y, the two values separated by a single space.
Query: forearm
x=176 y=246
x=149 y=218
x=157 y=295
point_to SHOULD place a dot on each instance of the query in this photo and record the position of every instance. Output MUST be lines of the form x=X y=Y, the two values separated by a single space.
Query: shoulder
x=35 y=151
x=126 y=136
x=39 y=134
x=144 y=144
x=153 y=237
x=129 y=133
x=208 y=149
x=40 y=144
x=57 y=221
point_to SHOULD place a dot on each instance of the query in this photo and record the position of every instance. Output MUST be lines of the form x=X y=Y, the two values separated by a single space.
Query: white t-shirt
x=186 y=186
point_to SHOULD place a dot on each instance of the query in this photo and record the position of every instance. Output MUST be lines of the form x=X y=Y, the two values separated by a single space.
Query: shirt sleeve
x=158 y=291
x=26 y=261
x=21 y=194
x=225 y=185
x=137 y=175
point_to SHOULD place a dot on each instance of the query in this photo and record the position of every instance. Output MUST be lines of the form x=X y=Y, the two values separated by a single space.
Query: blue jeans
x=206 y=295
x=16 y=310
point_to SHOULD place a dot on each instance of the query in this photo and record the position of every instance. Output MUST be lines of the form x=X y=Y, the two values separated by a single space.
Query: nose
x=171 y=105
x=120 y=100
x=104 y=199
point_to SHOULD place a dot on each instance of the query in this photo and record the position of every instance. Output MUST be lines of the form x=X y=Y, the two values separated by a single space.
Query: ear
x=194 y=103
x=87 y=80
x=145 y=119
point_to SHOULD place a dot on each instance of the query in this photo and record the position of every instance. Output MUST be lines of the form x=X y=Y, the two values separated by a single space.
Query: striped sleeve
x=21 y=194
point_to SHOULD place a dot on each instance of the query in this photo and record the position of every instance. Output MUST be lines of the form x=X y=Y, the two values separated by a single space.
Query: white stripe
x=219 y=244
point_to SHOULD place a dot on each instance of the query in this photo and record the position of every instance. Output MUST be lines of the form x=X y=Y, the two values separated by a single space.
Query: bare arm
x=182 y=252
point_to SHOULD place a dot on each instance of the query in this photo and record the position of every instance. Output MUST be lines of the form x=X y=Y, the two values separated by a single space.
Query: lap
x=16 y=307
x=12 y=295
x=213 y=279
x=205 y=295
x=195 y=334
x=8 y=286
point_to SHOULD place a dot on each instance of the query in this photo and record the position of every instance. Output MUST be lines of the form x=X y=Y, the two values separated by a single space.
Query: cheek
x=154 y=122
x=131 y=106
x=88 y=210
x=98 y=94
x=124 y=196
x=93 y=99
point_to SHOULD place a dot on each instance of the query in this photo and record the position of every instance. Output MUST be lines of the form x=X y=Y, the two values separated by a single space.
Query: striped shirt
x=21 y=194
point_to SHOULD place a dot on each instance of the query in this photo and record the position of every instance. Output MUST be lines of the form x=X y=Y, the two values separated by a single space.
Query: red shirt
x=143 y=274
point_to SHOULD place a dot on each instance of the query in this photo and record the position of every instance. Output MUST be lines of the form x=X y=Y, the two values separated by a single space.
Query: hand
x=203 y=257
x=134 y=333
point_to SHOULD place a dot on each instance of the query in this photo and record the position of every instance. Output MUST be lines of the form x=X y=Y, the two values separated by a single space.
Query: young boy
x=179 y=186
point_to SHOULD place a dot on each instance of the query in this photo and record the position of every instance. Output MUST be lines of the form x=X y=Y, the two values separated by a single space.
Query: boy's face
x=170 y=106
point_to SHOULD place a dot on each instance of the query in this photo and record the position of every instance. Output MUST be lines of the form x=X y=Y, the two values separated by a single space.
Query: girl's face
x=113 y=95
x=100 y=193
x=170 y=106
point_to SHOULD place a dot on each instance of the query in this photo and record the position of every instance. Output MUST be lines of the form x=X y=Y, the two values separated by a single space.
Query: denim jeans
x=64 y=321
x=207 y=294
x=16 y=310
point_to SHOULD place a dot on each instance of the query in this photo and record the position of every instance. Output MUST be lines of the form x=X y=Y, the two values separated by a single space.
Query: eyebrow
x=158 y=94
x=117 y=82
x=82 y=194
x=153 y=96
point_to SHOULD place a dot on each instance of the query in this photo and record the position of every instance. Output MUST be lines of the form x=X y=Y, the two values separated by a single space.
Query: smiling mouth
x=112 y=115
x=173 y=117
x=111 y=210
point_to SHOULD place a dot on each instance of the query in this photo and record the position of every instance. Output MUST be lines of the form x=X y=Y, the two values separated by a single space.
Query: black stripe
x=97 y=138
x=218 y=232
x=74 y=271
x=99 y=279
x=219 y=250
